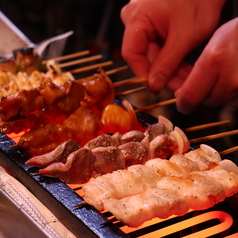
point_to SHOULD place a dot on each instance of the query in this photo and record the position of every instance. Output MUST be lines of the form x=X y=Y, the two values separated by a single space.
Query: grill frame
x=60 y=199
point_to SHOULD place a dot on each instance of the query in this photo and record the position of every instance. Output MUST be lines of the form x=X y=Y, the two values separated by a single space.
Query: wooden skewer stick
x=70 y=56
x=164 y=103
x=80 y=204
x=109 y=221
x=228 y=151
x=80 y=61
x=129 y=82
x=130 y=91
x=205 y=126
x=109 y=72
x=215 y=136
x=113 y=71
x=86 y=68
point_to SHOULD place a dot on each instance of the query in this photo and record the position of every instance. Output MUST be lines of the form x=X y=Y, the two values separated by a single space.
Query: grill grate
x=194 y=224
x=87 y=221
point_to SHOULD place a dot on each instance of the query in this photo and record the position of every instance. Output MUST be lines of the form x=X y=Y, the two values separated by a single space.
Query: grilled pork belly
x=97 y=190
x=135 y=210
x=174 y=196
x=135 y=180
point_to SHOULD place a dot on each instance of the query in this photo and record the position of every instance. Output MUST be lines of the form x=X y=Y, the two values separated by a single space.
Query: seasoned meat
x=108 y=159
x=134 y=153
x=78 y=167
x=59 y=154
x=133 y=135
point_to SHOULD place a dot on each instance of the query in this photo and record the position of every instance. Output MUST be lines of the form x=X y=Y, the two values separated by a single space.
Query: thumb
x=167 y=62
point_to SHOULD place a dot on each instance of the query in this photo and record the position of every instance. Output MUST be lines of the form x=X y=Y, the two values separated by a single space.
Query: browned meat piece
x=153 y=131
x=8 y=65
x=44 y=139
x=134 y=153
x=162 y=147
x=133 y=135
x=99 y=91
x=19 y=104
x=54 y=102
x=78 y=167
x=64 y=98
x=59 y=154
x=84 y=125
x=30 y=122
x=108 y=159
x=103 y=140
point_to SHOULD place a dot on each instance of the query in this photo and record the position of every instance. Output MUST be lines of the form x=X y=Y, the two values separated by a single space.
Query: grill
x=219 y=221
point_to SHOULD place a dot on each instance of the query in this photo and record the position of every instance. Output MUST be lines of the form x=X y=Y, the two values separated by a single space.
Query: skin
x=158 y=37
x=217 y=67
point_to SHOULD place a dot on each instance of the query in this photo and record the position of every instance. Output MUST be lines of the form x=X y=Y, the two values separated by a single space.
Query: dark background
x=96 y=24
x=97 y=27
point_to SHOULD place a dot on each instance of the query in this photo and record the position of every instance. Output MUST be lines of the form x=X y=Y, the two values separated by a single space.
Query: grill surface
x=88 y=222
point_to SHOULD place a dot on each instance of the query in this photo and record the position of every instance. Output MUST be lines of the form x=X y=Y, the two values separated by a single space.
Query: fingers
x=180 y=76
x=139 y=47
x=197 y=88
x=168 y=60
x=213 y=80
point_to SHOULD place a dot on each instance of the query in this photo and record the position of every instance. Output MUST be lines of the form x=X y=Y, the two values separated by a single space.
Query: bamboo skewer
x=113 y=71
x=80 y=61
x=215 y=136
x=222 y=153
x=70 y=56
x=86 y=68
x=129 y=82
x=130 y=91
x=205 y=126
x=164 y=103
x=228 y=151
x=81 y=204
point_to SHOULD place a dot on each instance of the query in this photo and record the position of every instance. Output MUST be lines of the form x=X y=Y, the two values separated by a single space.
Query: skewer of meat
x=103 y=187
x=175 y=196
x=95 y=92
x=56 y=108
x=82 y=125
x=12 y=83
x=129 y=144
x=50 y=103
x=116 y=152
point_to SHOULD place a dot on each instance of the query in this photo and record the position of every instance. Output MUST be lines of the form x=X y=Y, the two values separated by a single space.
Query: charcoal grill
x=85 y=221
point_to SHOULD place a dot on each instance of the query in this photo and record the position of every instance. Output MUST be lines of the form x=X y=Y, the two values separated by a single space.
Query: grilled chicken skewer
x=175 y=196
x=114 y=152
x=83 y=125
x=102 y=188
x=161 y=188
x=94 y=92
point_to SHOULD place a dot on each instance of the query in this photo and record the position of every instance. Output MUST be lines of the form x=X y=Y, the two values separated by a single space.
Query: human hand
x=159 y=34
x=214 y=77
